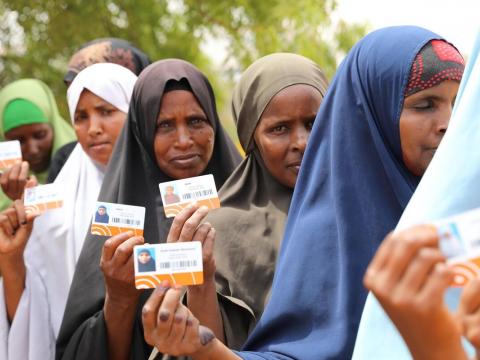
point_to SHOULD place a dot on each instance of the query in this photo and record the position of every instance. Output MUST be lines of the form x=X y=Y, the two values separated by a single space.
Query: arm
x=121 y=296
x=15 y=229
x=201 y=299
x=409 y=277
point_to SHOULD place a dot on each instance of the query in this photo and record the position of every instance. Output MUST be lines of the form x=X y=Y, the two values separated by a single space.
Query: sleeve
x=30 y=336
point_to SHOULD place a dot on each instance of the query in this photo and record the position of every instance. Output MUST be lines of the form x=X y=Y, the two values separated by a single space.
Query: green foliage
x=38 y=37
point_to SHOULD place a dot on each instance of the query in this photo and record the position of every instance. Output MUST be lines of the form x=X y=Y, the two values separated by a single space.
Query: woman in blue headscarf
x=379 y=126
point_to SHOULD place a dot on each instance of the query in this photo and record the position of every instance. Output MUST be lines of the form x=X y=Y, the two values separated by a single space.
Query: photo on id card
x=178 y=263
x=111 y=219
x=177 y=195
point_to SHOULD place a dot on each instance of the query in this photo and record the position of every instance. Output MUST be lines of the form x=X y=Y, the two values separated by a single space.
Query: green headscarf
x=37 y=93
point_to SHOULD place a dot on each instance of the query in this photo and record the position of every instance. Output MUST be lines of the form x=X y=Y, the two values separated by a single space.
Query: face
x=169 y=190
x=101 y=211
x=282 y=133
x=423 y=122
x=144 y=257
x=97 y=124
x=36 y=141
x=184 y=138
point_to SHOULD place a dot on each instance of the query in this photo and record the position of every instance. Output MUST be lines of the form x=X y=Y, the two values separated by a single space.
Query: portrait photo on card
x=145 y=257
x=451 y=243
x=170 y=194
x=102 y=214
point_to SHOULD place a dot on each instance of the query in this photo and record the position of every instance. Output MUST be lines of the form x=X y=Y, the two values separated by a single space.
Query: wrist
x=12 y=264
x=208 y=286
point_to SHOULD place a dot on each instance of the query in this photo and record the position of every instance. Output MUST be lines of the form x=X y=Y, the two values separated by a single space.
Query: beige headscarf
x=254 y=209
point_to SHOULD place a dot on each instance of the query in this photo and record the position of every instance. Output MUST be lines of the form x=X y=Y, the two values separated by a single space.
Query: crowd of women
x=304 y=228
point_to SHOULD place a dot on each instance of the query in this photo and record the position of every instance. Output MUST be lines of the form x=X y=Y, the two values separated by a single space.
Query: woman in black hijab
x=172 y=132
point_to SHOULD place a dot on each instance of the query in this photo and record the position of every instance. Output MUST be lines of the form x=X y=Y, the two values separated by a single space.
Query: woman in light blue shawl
x=449 y=186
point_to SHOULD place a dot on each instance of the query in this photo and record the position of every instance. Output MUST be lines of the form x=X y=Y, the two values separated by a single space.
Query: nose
x=30 y=147
x=444 y=119
x=299 y=139
x=95 y=126
x=184 y=138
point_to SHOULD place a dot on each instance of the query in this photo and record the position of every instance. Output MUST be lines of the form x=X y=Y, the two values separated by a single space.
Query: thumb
x=31 y=182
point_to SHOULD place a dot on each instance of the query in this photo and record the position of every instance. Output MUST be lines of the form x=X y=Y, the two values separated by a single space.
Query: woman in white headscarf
x=37 y=269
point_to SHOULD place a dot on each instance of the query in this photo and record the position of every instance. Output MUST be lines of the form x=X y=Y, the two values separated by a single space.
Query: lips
x=99 y=145
x=294 y=166
x=185 y=161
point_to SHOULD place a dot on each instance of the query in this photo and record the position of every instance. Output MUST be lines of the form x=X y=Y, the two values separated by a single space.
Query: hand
x=117 y=267
x=186 y=227
x=469 y=313
x=15 y=229
x=409 y=277
x=15 y=179
x=170 y=326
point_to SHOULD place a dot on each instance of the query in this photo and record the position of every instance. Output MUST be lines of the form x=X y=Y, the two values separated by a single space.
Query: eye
x=164 y=125
x=423 y=105
x=106 y=112
x=197 y=122
x=309 y=124
x=80 y=117
x=278 y=129
x=40 y=134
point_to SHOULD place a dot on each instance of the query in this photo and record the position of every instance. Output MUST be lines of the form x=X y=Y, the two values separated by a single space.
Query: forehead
x=27 y=130
x=175 y=100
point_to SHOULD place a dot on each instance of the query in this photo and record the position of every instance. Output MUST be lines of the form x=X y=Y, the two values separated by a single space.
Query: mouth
x=294 y=166
x=185 y=160
x=98 y=146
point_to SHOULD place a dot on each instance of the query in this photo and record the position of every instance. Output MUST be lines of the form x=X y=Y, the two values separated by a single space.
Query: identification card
x=10 y=153
x=179 y=263
x=460 y=243
x=42 y=198
x=178 y=194
x=112 y=219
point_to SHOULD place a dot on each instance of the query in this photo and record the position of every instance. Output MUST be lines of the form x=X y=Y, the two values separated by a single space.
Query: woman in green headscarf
x=29 y=114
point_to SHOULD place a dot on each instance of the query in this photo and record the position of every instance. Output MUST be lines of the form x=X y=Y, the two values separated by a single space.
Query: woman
x=29 y=113
x=449 y=187
x=172 y=132
x=111 y=50
x=274 y=105
x=359 y=171
x=37 y=273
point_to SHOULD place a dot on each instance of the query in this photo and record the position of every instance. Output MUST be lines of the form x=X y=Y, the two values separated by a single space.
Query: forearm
x=13 y=273
x=216 y=350
x=119 y=319
x=440 y=350
x=203 y=303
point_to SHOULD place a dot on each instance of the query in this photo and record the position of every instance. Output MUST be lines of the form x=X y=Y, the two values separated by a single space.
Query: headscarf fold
x=132 y=178
x=249 y=225
x=57 y=237
x=107 y=50
x=351 y=190
x=39 y=94
x=449 y=187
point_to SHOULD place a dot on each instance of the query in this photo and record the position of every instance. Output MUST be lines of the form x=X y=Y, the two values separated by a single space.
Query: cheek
x=205 y=139
x=81 y=132
x=161 y=145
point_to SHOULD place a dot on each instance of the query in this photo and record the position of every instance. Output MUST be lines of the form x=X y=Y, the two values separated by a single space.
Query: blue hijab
x=449 y=187
x=352 y=190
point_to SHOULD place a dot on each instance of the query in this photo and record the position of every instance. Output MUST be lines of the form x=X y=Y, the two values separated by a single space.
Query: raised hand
x=14 y=180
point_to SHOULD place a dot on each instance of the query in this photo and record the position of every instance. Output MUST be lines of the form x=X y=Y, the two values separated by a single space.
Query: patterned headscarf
x=436 y=62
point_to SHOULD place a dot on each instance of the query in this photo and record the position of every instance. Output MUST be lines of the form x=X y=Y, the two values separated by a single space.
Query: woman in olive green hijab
x=29 y=114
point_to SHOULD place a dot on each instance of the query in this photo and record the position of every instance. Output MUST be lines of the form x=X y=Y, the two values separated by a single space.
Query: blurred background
x=222 y=38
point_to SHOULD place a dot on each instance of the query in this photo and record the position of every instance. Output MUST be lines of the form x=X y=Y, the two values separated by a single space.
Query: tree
x=38 y=37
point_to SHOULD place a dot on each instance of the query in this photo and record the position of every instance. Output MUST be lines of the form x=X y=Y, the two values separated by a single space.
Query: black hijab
x=132 y=178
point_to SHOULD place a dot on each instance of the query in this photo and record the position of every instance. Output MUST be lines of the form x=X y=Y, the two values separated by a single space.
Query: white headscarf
x=57 y=238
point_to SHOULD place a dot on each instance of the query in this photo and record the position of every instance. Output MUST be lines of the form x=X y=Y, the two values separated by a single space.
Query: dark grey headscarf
x=132 y=178
x=252 y=218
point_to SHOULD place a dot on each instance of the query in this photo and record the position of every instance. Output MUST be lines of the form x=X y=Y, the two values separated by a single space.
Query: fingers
x=470 y=299
x=209 y=243
x=150 y=310
x=202 y=232
x=191 y=225
x=111 y=244
x=5 y=224
x=31 y=182
x=439 y=280
x=179 y=221
x=124 y=251
x=179 y=324
x=167 y=310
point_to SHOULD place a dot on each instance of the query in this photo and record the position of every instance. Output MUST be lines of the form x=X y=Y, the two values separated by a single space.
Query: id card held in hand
x=179 y=263
x=112 y=219
x=42 y=198
x=460 y=243
x=10 y=153
x=178 y=194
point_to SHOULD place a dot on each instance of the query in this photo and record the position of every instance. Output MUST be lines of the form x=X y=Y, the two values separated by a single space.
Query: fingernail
x=206 y=335
x=204 y=208
x=178 y=319
x=24 y=222
x=189 y=322
x=164 y=315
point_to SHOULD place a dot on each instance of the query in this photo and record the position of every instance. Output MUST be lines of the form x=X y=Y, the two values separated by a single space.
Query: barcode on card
x=132 y=222
x=197 y=194
x=177 y=264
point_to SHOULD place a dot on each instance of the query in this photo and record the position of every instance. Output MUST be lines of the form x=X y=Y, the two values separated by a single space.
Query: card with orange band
x=179 y=263
x=111 y=219
x=10 y=153
x=178 y=194
x=42 y=198
x=460 y=243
